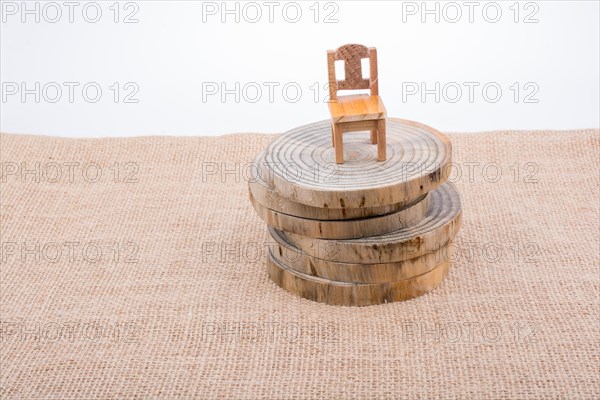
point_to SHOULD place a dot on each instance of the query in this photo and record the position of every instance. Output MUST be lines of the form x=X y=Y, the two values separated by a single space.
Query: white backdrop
x=206 y=68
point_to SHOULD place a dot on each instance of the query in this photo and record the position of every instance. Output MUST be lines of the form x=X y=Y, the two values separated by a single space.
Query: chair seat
x=359 y=107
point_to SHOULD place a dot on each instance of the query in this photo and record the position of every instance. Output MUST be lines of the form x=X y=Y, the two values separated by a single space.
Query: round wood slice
x=269 y=198
x=344 y=229
x=354 y=294
x=439 y=226
x=297 y=260
x=301 y=166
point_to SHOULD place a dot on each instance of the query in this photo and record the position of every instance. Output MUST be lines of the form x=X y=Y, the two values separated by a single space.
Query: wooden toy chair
x=360 y=112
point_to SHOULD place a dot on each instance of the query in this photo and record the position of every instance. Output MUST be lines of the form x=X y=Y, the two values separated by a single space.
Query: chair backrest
x=352 y=54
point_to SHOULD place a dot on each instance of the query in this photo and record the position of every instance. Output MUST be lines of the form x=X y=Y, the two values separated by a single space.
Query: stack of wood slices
x=363 y=232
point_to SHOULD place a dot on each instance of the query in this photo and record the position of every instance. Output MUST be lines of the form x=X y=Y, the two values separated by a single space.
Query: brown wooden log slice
x=301 y=166
x=297 y=260
x=271 y=199
x=439 y=226
x=344 y=229
x=353 y=294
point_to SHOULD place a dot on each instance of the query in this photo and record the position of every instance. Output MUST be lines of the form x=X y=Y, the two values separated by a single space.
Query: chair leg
x=381 y=150
x=333 y=135
x=339 y=145
x=373 y=136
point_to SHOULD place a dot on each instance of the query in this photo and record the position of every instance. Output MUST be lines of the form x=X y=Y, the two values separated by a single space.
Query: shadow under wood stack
x=364 y=232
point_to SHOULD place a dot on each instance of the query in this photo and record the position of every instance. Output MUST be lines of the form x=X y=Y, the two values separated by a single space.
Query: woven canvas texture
x=149 y=281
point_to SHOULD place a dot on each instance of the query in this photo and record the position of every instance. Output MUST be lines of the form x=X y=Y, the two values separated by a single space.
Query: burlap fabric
x=149 y=282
